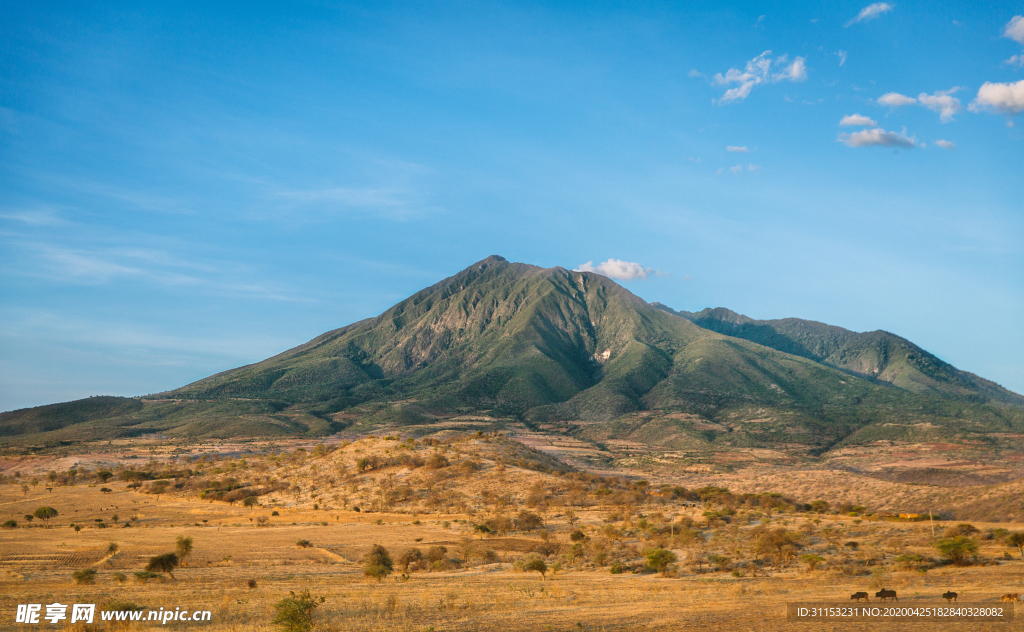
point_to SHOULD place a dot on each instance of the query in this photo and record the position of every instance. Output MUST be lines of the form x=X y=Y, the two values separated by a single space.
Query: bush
x=659 y=559
x=377 y=563
x=409 y=558
x=85 y=576
x=437 y=461
x=811 y=560
x=617 y=568
x=536 y=564
x=963 y=528
x=119 y=578
x=295 y=613
x=528 y=521
x=144 y=576
x=578 y=535
x=10 y=524
x=251 y=584
x=957 y=549
x=304 y=544
x=165 y=563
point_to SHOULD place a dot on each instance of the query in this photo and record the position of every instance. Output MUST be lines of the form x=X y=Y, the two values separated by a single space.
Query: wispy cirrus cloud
x=856 y=119
x=736 y=149
x=871 y=12
x=942 y=102
x=879 y=137
x=760 y=70
x=621 y=270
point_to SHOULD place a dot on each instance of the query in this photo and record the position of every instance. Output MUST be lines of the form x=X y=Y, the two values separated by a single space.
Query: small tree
x=957 y=549
x=1017 y=539
x=45 y=514
x=659 y=559
x=251 y=501
x=295 y=613
x=528 y=521
x=409 y=558
x=811 y=560
x=377 y=563
x=85 y=576
x=165 y=563
x=536 y=564
x=183 y=546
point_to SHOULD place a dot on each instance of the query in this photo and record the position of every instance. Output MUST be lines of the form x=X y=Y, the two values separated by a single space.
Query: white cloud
x=757 y=71
x=617 y=269
x=1014 y=29
x=856 y=119
x=695 y=73
x=942 y=103
x=736 y=169
x=945 y=144
x=871 y=12
x=1016 y=60
x=842 y=56
x=1004 y=98
x=895 y=99
x=797 y=71
x=753 y=167
x=878 y=137
x=735 y=149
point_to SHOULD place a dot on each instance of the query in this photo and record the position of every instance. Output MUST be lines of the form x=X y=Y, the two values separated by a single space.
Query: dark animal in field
x=949 y=596
x=860 y=595
x=1010 y=597
x=886 y=594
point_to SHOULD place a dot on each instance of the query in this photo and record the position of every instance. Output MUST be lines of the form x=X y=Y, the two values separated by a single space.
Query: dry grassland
x=482 y=590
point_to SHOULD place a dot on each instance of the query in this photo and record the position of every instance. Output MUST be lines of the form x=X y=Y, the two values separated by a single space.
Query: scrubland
x=460 y=518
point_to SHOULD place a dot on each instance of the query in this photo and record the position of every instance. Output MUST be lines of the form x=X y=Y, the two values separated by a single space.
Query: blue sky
x=185 y=189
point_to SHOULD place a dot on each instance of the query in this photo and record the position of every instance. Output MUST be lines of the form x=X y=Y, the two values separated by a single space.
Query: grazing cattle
x=1010 y=597
x=860 y=595
x=949 y=596
x=886 y=594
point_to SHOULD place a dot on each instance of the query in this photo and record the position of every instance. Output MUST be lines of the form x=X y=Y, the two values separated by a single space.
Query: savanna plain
x=466 y=531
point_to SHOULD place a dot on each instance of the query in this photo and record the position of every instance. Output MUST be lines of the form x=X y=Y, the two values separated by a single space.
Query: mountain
x=877 y=355
x=567 y=350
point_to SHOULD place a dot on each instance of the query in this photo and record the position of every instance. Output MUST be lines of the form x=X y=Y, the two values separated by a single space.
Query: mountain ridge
x=545 y=346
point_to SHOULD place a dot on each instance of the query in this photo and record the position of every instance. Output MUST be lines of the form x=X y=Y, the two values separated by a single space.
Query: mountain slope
x=540 y=346
x=877 y=355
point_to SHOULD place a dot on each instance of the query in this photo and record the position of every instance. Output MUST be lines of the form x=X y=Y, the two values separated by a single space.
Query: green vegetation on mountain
x=552 y=345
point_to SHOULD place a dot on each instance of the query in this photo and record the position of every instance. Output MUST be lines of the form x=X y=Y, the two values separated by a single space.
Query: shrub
x=377 y=563
x=957 y=549
x=304 y=544
x=143 y=576
x=275 y=513
x=536 y=564
x=1016 y=539
x=119 y=578
x=659 y=559
x=811 y=560
x=578 y=535
x=528 y=521
x=437 y=553
x=10 y=524
x=963 y=529
x=183 y=547
x=85 y=576
x=410 y=557
x=437 y=461
x=165 y=563
x=617 y=568
x=295 y=613
x=251 y=584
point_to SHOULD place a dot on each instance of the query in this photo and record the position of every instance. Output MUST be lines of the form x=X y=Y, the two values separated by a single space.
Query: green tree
x=165 y=563
x=659 y=559
x=295 y=613
x=957 y=549
x=811 y=560
x=536 y=564
x=377 y=563
x=1017 y=539
x=528 y=521
x=45 y=514
x=183 y=546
